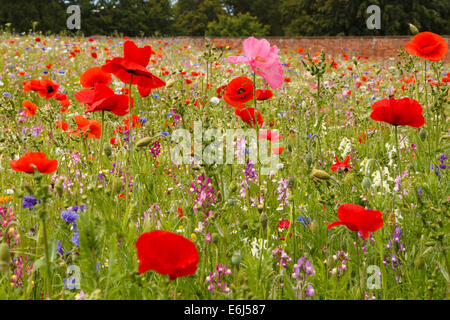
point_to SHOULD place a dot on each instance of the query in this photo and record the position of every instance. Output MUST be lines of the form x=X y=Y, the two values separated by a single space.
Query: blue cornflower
x=29 y=202
x=165 y=133
x=69 y=216
x=156 y=96
x=304 y=221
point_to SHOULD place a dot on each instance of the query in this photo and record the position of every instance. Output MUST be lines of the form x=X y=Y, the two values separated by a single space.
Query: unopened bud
x=413 y=29
x=215 y=238
x=236 y=258
x=233 y=186
x=263 y=219
x=320 y=174
x=260 y=207
x=422 y=134
x=391 y=219
x=107 y=149
x=309 y=159
x=366 y=183
x=143 y=142
x=170 y=83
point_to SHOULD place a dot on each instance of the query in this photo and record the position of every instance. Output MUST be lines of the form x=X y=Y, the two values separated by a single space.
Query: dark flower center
x=50 y=89
x=241 y=90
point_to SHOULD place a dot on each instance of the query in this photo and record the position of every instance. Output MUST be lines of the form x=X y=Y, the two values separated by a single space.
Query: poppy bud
x=170 y=83
x=289 y=147
x=233 y=186
x=314 y=226
x=215 y=238
x=143 y=142
x=320 y=174
x=413 y=29
x=236 y=258
x=422 y=134
x=263 y=219
x=309 y=159
x=59 y=187
x=260 y=207
x=366 y=183
x=391 y=219
x=107 y=149
x=4 y=256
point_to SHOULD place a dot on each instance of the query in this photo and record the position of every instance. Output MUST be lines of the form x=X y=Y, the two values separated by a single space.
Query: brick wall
x=372 y=47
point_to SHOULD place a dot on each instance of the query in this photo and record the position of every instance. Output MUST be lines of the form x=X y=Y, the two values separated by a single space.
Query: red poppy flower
x=45 y=88
x=284 y=224
x=239 y=91
x=94 y=75
x=37 y=159
x=30 y=108
x=132 y=67
x=103 y=98
x=401 y=112
x=221 y=91
x=341 y=165
x=262 y=94
x=166 y=253
x=89 y=128
x=357 y=218
x=248 y=116
x=62 y=125
x=427 y=45
x=144 y=92
x=61 y=96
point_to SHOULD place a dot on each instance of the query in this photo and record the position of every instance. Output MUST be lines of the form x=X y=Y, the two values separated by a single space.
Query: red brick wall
x=372 y=47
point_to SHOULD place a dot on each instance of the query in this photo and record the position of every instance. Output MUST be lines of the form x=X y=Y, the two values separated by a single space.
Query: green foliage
x=197 y=17
x=237 y=26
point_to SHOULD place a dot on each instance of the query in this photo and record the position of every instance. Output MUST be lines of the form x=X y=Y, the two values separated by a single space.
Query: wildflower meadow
x=148 y=169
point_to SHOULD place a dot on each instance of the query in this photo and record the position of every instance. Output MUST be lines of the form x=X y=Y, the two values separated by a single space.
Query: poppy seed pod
x=320 y=174
x=143 y=142
x=236 y=258
x=107 y=149
x=422 y=134
x=366 y=183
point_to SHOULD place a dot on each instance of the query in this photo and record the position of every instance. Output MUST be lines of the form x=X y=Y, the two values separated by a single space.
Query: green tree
x=267 y=12
x=192 y=16
x=242 y=25
x=49 y=14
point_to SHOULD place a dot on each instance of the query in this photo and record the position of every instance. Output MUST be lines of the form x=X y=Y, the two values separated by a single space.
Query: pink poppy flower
x=263 y=59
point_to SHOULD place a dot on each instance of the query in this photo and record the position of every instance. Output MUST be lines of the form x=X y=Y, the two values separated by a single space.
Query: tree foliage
x=241 y=25
x=228 y=17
